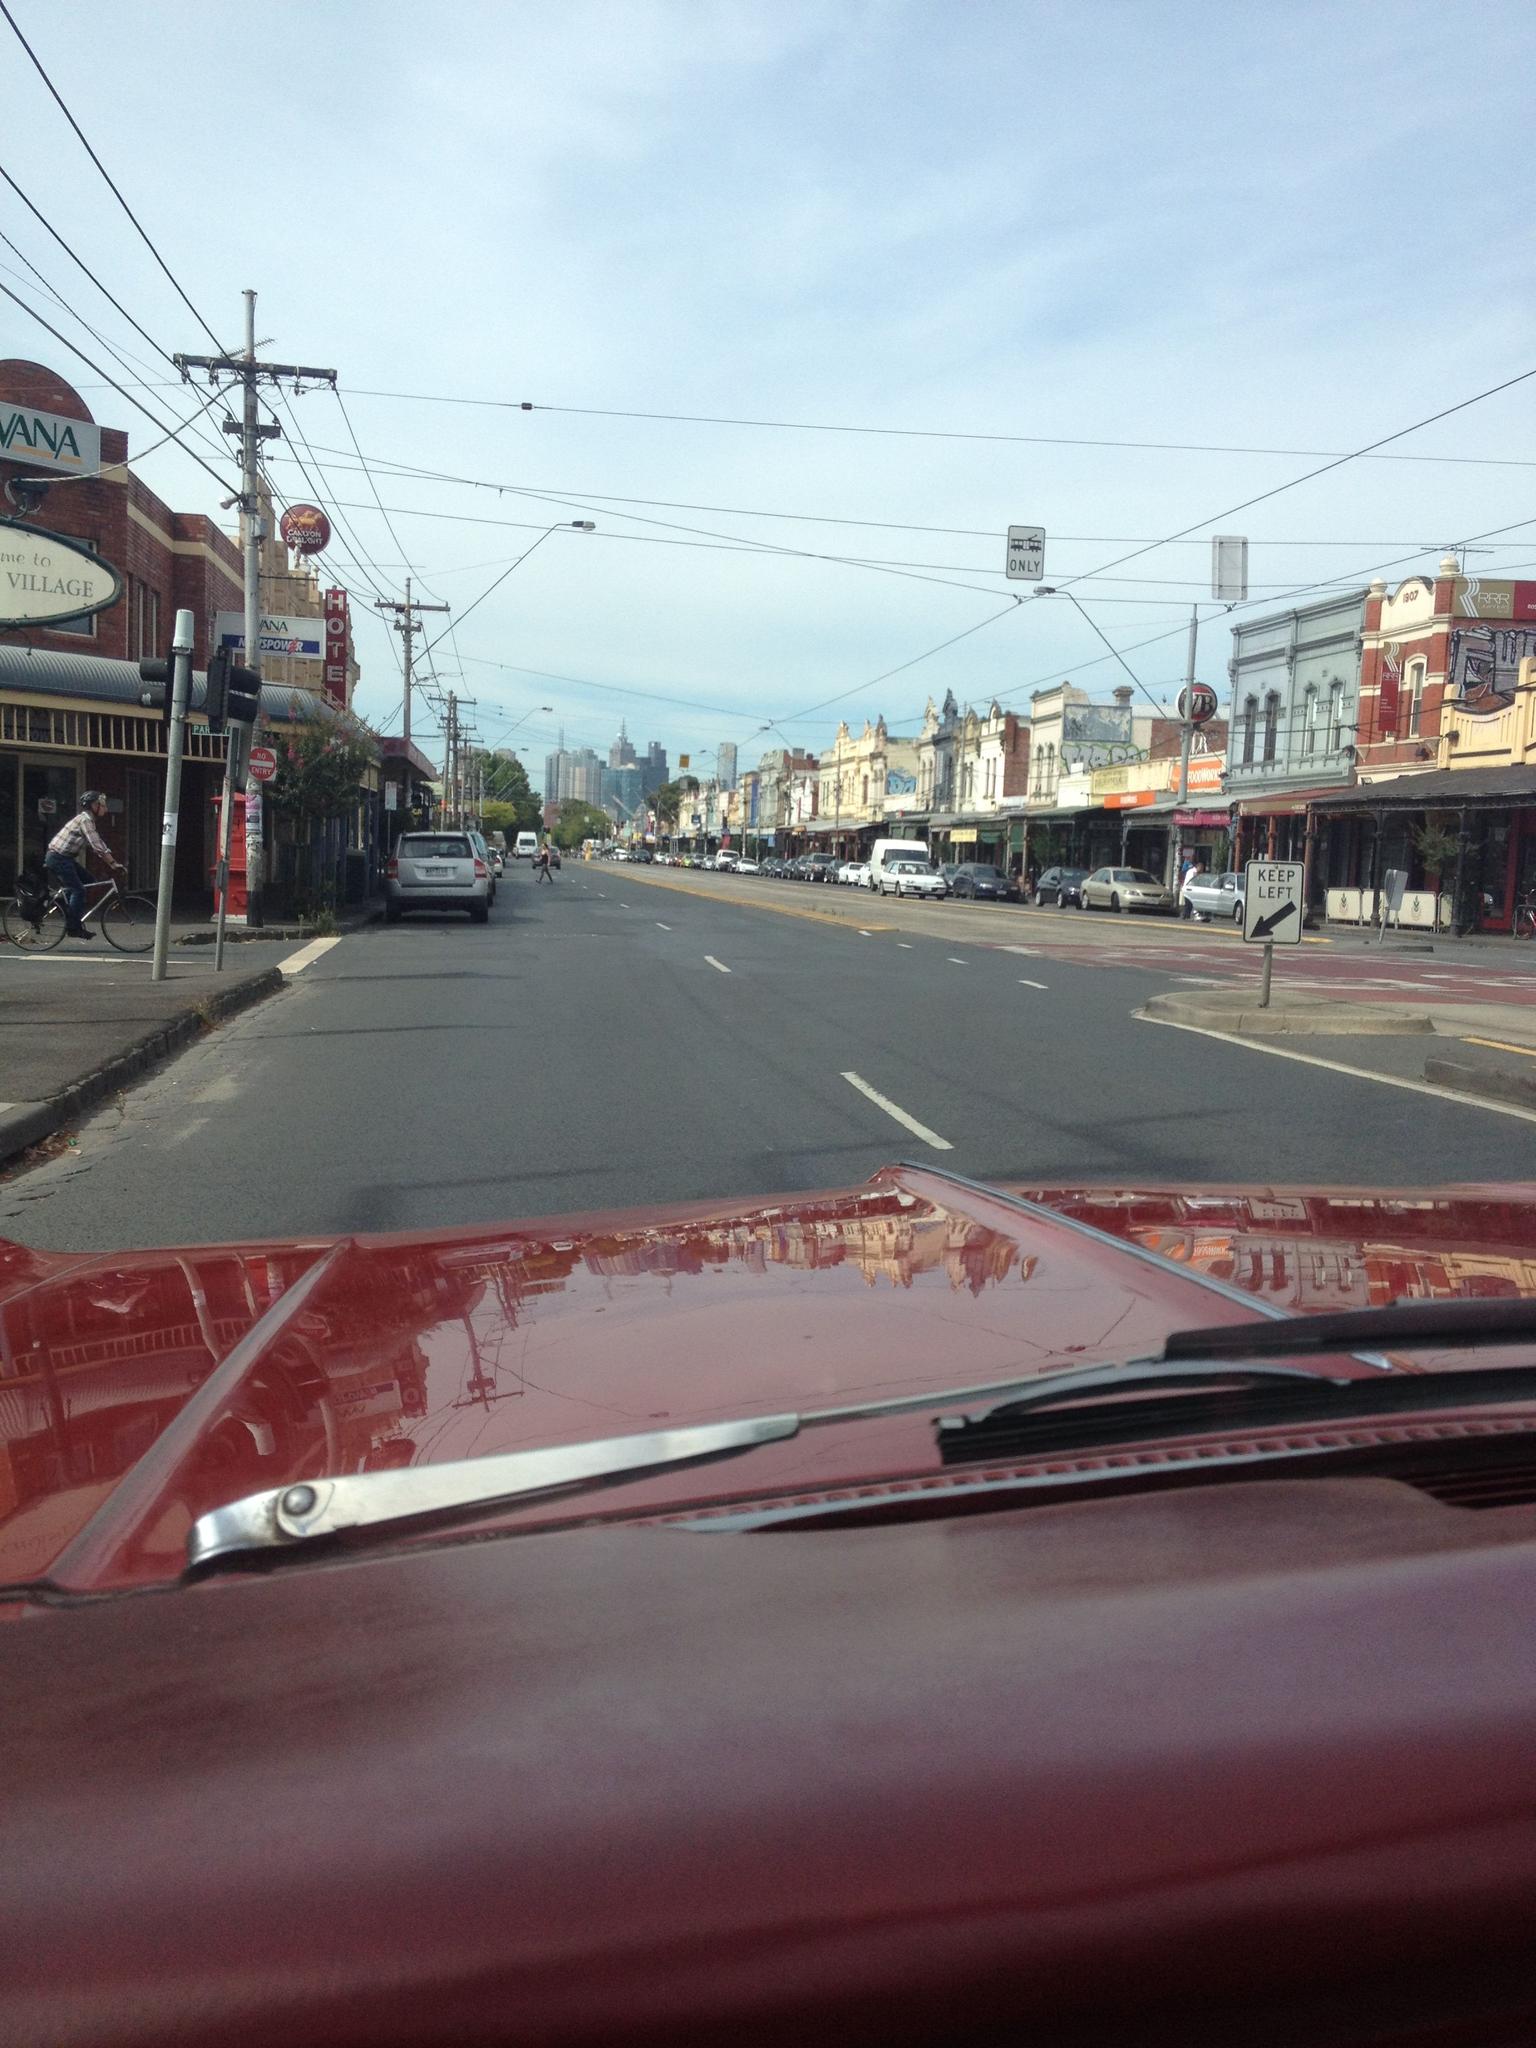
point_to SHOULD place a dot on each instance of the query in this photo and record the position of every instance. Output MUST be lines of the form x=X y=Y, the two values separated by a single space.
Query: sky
x=788 y=282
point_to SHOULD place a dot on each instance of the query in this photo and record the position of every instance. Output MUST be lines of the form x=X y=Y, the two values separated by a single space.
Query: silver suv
x=437 y=871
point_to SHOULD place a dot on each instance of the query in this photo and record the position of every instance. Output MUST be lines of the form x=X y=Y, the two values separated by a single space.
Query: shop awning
x=1286 y=803
x=1440 y=789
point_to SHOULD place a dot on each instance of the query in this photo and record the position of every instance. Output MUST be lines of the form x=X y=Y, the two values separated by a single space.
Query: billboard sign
x=337 y=643
x=305 y=530
x=275 y=634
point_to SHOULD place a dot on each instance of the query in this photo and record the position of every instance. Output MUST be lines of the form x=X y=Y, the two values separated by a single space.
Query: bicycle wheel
x=40 y=937
x=128 y=923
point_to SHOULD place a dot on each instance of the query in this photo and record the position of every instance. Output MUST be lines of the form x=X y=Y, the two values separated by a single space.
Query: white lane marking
x=623 y=906
x=864 y=934
x=1020 y=949
x=894 y=1109
x=1308 y=1059
x=1025 y=982
x=75 y=959
x=306 y=956
x=958 y=963
x=905 y=945
x=662 y=927
x=718 y=965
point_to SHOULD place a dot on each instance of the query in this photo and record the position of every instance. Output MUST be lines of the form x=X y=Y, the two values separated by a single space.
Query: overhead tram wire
x=81 y=263
x=917 y=433
x=106 y=174
x=359 y=552
x=373 y=486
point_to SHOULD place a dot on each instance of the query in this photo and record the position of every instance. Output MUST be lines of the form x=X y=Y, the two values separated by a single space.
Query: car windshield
x=631 y=496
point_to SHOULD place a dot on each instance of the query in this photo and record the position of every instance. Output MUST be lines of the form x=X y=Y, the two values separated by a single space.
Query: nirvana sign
x=42 y=438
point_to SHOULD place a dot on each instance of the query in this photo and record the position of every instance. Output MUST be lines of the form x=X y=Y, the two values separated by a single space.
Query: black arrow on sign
x=1266 y=925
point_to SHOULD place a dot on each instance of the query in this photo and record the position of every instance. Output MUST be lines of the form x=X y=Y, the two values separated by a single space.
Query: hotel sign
x=46 y=577
x=43 y=439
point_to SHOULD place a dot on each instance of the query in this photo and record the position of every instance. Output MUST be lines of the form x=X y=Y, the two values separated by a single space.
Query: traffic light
x=215 y=703
x=242 y=701
x=157 y=673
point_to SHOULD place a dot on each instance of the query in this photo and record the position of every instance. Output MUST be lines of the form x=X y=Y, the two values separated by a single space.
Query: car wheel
x=480 y=913
x=1237 y=913
x=1114 y=902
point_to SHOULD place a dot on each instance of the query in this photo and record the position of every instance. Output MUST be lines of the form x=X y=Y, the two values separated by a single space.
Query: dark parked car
x=821 y=867
x=949 y=869
x=1062 y=886
x=979 y=880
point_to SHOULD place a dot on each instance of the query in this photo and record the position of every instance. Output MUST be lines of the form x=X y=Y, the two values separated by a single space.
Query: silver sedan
x=1125 y=889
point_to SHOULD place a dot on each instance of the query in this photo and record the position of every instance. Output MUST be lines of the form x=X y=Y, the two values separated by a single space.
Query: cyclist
x=62 y=859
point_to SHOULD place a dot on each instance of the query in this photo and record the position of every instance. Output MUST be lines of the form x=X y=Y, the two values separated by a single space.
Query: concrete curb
x=1490 y=1082
x=28 y=1123
x=1290 y=1017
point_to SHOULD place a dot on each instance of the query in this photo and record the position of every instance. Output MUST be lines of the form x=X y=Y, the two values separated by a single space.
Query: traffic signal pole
x=179 y=688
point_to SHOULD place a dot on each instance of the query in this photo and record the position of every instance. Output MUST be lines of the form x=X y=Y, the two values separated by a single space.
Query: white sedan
x=746 y=867
x=856 y=874
x=912 y=878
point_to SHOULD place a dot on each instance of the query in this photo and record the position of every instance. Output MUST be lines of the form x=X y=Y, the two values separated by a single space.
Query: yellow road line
x=1503 y=1045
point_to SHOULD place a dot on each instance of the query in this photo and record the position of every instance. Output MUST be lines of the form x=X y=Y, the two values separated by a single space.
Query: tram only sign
x=1273 y=903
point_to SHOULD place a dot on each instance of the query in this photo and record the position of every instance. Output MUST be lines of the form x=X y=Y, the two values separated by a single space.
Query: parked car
x=1061 y=886
x=981 y=881
x=437 y=871
x=525 y=846
x=949 y=869
x=1125 y=889
x=1218 y=896
x=892 y=850
x=820 y=867
x=857 y=873
x=745 y=866
x=912 y=878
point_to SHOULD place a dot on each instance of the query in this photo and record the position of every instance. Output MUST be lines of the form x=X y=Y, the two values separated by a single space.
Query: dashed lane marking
x=1024 y=982
x=718 y=965
x=662 y=927
x=958 y=963
x=894 y=1109
x=307 y=955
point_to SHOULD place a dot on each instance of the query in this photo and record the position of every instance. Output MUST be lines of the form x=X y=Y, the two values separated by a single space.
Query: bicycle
x=127 y=921
x=1525 y=918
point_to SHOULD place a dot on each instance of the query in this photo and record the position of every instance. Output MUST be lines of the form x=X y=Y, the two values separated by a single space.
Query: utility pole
x=249 y=373
x=407 y=625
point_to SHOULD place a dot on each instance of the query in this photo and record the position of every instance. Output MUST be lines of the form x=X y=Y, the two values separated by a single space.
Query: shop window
x=1248 y=723
x=1271 y=724
x=1309 y=723
x=1414 y=682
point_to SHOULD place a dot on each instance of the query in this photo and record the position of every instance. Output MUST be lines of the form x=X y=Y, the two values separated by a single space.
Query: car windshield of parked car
x=432 y=846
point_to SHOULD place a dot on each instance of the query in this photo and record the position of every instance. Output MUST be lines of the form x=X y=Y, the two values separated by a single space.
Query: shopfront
x=1466 y=835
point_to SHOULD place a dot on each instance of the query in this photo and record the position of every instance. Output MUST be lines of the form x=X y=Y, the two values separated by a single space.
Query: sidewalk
x=202 y=931
x=77 y=1025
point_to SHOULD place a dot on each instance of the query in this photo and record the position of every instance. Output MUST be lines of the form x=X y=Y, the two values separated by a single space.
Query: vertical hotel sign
x=334 y=605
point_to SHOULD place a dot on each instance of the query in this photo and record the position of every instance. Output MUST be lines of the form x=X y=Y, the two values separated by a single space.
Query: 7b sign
x=1273 y=902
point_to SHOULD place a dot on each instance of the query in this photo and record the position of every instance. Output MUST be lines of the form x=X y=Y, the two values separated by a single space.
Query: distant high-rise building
x=622 y=794
x=653 y=769
x=573 y=772
x=621 y=754
x=725 y=764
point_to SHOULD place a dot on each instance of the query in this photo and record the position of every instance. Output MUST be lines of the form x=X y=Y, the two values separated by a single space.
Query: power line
x=916 y=433
x=106 y=174
x=80 y=261
x=171 y=433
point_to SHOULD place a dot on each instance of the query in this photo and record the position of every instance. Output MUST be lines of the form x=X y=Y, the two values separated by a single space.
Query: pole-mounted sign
x=1274 y=903
x=47 y=577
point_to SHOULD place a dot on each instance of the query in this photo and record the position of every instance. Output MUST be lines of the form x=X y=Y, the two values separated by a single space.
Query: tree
x=669 y=799
x=320 y=769
x=579 y=821
x=506 y=786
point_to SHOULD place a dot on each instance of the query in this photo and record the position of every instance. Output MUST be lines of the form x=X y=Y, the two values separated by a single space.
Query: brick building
x=70 y=716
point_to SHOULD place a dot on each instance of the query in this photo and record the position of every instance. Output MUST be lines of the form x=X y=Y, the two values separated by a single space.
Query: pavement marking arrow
x=1275 y=918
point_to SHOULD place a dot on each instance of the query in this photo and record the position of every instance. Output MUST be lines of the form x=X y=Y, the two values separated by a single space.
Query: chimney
x=1123 y=694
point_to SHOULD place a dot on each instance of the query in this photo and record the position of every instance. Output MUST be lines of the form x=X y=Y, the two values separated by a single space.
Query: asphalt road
x=606 y=1042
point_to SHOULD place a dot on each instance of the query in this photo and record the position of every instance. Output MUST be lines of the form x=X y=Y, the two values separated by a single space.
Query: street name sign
x=1273 y=902
x=1026 y=553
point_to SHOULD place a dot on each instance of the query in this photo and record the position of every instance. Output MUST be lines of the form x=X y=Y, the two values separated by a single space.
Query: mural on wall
x=1485 y=664
x=899 y=783
x=1096 y=724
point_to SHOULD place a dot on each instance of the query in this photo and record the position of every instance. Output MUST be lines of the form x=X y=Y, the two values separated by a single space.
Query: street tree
x=579 y=821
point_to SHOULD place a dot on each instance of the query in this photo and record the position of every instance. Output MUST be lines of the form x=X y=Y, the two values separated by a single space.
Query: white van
x=527 y=846
x=888 y=850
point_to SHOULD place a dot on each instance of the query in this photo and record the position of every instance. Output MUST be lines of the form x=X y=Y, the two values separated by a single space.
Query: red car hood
x=139 y=1391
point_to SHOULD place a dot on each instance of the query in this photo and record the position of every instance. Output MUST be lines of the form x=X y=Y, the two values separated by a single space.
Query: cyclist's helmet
x=92 y=796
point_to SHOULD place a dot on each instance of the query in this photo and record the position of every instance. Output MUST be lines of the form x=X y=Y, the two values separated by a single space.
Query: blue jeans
x=71 y=878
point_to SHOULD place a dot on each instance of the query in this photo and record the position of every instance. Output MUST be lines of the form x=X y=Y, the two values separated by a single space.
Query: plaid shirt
x=80 y=836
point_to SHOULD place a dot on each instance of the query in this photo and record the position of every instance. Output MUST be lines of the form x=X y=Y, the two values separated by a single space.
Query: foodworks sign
x=47 y=576
x=27 y=435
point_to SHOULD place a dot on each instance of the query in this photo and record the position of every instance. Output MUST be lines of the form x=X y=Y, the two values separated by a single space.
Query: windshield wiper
x=1454 y=1325
x=1207 y=1389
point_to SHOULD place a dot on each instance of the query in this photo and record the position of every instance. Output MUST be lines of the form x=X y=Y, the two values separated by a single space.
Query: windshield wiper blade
x=309 y=1509
x=1153 y=1402
x=1458 y=1325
